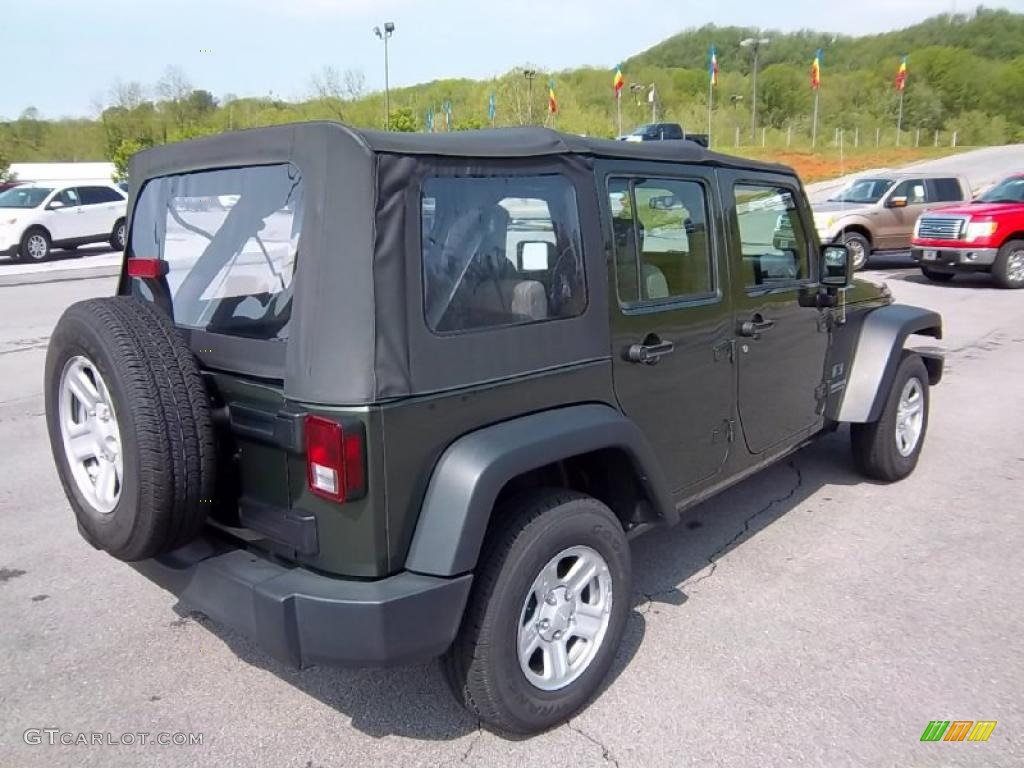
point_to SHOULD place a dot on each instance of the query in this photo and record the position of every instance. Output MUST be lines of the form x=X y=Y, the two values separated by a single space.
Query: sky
x=63 y=56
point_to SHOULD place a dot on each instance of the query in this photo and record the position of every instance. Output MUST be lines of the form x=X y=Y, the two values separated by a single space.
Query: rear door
x=671 y=317
x=101 y=207
x=781 y=345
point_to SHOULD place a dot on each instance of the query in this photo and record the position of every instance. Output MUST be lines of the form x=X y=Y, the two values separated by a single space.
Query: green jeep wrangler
x=372 y=398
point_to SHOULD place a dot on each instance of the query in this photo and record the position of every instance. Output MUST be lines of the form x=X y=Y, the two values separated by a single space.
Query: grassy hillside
x=966 y=78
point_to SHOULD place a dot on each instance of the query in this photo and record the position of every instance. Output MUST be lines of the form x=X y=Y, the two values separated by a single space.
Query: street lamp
x=529 y=74
x=755 y=43
x=389 y=29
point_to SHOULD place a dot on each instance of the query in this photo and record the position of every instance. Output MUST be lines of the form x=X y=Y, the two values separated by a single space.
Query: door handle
x=650 y=352
x=755 y=326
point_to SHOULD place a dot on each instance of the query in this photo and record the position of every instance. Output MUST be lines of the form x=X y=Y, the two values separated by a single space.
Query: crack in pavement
x=605 y=752
x=473 y=743
x=714 y=556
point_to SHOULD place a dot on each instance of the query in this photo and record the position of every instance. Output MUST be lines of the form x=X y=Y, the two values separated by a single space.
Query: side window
x=773 y=241
x=98 y=195
x=912 y=189
x=662 y=247
x=68 y=196
x=500 y=251
x=944 y=191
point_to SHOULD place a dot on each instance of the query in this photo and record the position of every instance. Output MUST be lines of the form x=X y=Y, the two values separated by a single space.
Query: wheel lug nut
x=568 y=595
x=558 y=635
x=544 y=624
x=550 y=599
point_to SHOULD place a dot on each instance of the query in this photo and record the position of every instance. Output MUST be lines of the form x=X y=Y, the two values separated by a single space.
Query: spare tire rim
x=910 y=417
x=565 y=618
x=36 y=246
x=90 y=433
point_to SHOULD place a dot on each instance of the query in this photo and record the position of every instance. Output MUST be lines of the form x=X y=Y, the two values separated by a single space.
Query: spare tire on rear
x=129 y=422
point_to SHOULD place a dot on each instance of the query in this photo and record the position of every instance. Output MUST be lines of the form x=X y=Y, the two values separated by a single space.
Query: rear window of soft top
x=230 y=238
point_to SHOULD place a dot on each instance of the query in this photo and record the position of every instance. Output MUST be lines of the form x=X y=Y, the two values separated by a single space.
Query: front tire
x=1008 y=268
x=859 y=247
x=888 y=449
x=547 y=612
x=35 y=245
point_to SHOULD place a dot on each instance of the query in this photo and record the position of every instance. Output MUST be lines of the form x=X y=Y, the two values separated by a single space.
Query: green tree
x=5 y=167
x=404 y=121
x=122 y=155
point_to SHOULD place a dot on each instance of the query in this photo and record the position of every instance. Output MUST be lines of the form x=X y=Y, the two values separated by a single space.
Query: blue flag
x=447 y=107
x=492 y=108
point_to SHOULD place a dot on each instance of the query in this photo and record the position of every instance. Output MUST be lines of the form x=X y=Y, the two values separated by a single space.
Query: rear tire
x=119 y=235
x=35 y=245
x=859 y=247
x=883 y=450
x=1008 y=268
x=120 y=360
x=937 y=277
x=542 y=533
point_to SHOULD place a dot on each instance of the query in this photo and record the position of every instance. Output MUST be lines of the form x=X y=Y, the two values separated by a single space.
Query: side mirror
x=534 y=255
x=54 y=205
x=836 y=266
x=897 y=202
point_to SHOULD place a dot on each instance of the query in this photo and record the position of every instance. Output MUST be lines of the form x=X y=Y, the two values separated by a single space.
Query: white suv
x=39 y=216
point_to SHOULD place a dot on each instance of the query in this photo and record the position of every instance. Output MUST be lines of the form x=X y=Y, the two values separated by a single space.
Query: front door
x=64 y=223
x=896 y=224
x=672 y=319
x=781 y=345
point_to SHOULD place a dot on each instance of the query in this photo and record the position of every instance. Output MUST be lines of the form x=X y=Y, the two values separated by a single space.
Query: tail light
x=147 y=269
x=334 y=460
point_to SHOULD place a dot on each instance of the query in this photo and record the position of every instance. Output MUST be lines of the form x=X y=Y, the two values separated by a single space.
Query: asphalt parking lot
x=805 y=617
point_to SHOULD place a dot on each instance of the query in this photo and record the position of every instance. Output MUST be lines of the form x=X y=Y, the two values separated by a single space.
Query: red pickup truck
x=985 y=235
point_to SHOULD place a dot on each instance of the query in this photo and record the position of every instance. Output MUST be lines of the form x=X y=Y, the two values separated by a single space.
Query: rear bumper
x=303 y=618
x=961 y=259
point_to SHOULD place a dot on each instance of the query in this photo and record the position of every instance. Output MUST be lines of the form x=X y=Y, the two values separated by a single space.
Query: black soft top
x=357 y=332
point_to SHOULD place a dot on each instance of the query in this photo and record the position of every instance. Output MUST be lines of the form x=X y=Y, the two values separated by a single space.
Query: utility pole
x=529 y=74
x=389 y=29
x=755 y=43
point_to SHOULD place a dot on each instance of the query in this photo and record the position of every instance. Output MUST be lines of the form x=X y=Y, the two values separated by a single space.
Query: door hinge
x=730 y=426
x=725 y=349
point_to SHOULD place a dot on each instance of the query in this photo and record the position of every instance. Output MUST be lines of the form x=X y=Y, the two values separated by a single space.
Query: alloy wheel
x=90 y=434
x=910 y=417
x=565 y=618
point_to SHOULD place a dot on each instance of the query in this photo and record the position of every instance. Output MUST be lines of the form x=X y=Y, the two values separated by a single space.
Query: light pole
x=529 y=74
x=389 y=29
x=755 y=43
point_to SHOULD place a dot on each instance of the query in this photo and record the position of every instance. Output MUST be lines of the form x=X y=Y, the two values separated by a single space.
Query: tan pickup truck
x=878 y=212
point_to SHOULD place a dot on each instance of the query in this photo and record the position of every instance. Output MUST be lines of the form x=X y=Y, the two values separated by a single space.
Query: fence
x=857 y=137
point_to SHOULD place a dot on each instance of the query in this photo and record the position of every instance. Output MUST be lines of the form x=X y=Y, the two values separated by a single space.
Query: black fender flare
x=472 y=471
x=877 y=354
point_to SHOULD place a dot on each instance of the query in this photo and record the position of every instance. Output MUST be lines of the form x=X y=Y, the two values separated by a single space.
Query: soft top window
x=230 y=238
x=499 y=251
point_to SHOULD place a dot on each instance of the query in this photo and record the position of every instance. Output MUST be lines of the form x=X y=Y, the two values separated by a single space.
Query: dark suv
x=401 y=396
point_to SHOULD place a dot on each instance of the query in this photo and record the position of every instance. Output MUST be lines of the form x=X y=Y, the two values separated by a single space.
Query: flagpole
x=711 y=105
x=814 y=123
x=618 y=109
x=899 y=119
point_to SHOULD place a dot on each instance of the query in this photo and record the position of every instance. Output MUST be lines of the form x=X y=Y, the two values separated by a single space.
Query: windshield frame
x=841 y=197
x=23 y=188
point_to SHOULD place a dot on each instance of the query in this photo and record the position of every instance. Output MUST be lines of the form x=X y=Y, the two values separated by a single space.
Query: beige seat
x=654 y=283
